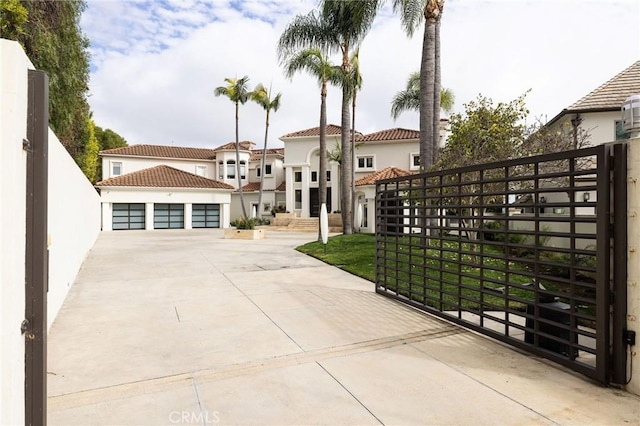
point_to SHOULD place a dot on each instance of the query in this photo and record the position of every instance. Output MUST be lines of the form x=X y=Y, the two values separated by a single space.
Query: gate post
x=633 y=256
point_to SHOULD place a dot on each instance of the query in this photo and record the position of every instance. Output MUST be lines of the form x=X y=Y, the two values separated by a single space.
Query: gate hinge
x=24 y=326
x=26 y=145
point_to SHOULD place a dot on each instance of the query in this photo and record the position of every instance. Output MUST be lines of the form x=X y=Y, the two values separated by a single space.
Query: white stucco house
x=375 y=155
x=168 y=187
x=599 y=111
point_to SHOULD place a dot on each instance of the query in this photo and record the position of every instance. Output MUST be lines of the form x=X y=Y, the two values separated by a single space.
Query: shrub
x=246 y=222
x=278 y=209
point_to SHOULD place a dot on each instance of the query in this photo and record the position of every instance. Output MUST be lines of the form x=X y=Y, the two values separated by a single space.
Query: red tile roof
x=612 y=93
x=163 y=152
x=256 y=154
x=244 y=145
x=164 y=177
x=391 y=135
x=251 y=186
x=282 y=187
x=332 y=130
x=388 y=173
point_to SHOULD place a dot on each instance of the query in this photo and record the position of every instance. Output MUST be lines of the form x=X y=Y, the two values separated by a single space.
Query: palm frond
x=411 y=14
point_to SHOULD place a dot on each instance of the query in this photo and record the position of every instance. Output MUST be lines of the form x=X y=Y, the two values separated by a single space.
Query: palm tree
x=355 y=81
x=339 y=27
x=262 y=97
x=409 y=100
x=237 y=90
x=316 y=64
x=412 y=14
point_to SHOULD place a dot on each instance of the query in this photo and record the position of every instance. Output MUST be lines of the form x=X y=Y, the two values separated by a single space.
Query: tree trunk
x=436 y=91
x=347 y=159
x=347 y=165
x=322 y=166
x=244 y=210
x=353 y=147
x=262 y=164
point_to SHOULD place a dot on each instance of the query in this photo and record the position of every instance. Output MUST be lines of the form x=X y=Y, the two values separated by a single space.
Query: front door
x=314 y=201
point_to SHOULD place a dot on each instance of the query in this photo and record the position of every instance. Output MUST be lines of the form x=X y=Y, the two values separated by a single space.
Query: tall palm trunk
x=347 y=159
x=322 y=167
x=262 y=164
x=436 y=90
x=353 y=147
x=427 y=74
x=244 y=210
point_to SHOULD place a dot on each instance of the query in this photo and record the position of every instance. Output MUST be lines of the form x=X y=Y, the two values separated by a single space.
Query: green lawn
x=355 y=253
x=438 y=276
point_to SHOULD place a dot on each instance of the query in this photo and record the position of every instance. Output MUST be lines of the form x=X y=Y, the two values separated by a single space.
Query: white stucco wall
x=600 y=125
x=386 y=154
x=134 y=164
x=73 y=223
x=13 y=118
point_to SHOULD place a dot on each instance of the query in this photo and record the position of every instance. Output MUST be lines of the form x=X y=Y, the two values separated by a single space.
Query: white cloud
x=155 y=65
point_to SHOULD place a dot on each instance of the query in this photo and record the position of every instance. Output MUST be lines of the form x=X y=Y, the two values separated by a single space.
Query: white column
x=107 y=217
x=225 y=213
x=289 y=193
x=148 y=216
x=633 y=256
x=188 y=208
x=305 y=192
x=335 y=187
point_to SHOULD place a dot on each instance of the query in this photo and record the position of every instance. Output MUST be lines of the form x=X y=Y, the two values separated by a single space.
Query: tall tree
x=89 y=159
x=316 y=64
x=54 y=42
x=412 y=14
x=237 y=90
x=107 y=139
x=340 y=26
x=355 y=80
x=262 y=97
x=409 y=98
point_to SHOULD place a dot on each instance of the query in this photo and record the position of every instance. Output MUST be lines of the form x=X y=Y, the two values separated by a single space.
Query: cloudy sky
x=155 y=64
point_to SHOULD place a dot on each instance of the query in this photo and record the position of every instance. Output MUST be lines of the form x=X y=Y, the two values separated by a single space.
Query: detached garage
x=163 y=197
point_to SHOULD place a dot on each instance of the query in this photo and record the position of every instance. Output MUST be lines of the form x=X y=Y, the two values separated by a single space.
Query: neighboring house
x=392 y=148
x=161 y=187
x=599 y=112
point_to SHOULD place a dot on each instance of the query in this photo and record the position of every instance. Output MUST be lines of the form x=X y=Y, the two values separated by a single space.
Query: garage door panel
x=128 y=216
x=168 y=216
x=206 y=216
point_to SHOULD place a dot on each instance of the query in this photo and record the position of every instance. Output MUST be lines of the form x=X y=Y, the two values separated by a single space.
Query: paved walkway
x=184 y=327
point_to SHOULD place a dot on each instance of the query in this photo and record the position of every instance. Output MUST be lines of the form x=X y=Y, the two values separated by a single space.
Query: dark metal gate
x=531 y=252
x=34 y=327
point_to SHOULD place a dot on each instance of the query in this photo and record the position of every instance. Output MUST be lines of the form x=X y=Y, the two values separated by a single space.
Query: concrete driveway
x=185 y=327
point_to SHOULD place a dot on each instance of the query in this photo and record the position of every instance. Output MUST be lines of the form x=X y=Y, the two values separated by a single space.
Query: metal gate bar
x=519 y=250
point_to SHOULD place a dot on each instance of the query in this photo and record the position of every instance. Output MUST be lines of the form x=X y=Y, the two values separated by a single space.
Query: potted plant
x=245 y=229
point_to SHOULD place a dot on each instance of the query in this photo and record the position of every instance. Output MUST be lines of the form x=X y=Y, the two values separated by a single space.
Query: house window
x=298 y=199
x=620 y=133
x=231 y=169
x=314 y=176
x=328 y=175
x=414 y=161
x=220 y=170
x=365 y=162
x=267 y=169
x=243 y=170
x=116 y=168
x=297 y=177
x=201 y=171
x=364 y=222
